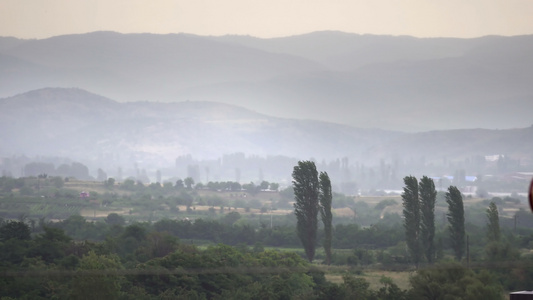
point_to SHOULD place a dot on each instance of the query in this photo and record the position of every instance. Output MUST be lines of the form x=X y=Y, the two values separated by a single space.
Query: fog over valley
x=369 y=109
x=215 y=141
x=239 y=149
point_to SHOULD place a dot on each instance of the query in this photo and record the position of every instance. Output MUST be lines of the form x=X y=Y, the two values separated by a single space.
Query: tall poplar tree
x=306 y=191
x=325 y=199
x=427 y=195
x=493 y=223
x=411 y=213
x=456 y=218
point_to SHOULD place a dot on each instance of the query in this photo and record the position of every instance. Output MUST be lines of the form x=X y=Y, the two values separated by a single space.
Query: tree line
x=142 y=262
x=419 y=223
x=121 y=247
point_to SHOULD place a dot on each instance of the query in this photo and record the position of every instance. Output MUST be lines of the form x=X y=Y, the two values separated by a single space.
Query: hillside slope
x=77 y=124
x=395 y=83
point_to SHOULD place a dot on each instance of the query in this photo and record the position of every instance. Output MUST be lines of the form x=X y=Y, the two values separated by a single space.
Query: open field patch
x=401 y=279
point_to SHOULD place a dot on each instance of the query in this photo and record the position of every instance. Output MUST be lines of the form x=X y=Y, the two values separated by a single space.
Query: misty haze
x=178 y=161
x=144 y=101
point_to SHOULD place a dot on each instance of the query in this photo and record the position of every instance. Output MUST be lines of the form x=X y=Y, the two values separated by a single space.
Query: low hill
x=77 y=124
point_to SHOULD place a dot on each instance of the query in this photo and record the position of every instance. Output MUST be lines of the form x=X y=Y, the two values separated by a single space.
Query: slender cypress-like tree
x=306 y=190
x=427 y=195
x=456 y=218
x=411 y=213
x=493 y=223
x=325 y=200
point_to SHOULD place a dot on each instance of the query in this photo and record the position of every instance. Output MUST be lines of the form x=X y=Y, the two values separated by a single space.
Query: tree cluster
x=312 y=194
x=135 y=263
x=419 y=217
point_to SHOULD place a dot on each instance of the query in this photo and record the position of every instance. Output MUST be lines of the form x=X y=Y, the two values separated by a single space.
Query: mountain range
x=390 y=82
x=84 y=126
x=78 y=124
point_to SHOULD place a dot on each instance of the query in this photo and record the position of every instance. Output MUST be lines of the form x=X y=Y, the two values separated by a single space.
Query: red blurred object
x=531 y=195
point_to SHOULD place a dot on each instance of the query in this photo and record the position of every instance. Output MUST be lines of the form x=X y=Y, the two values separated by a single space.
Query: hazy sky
x=267 y=18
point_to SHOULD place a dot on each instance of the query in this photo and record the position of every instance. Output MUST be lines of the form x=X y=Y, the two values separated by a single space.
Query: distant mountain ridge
x=399 y=83
x=73 y=122
x=77 y=124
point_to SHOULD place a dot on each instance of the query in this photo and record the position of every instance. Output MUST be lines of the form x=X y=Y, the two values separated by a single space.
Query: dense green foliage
x=135 y=262
x=14 y=230
x=312 y=194
x=493 y=223
x=140 y=261
x=456 y=218
x=44 y=259
x=411 y=213
x=428 y=196
x=306 y=191
x=325 y=199
x=453 y=281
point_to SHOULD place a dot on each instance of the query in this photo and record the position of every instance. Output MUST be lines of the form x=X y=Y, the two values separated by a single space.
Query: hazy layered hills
x=77 y=124
x=139 y=66
x=399 y=83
